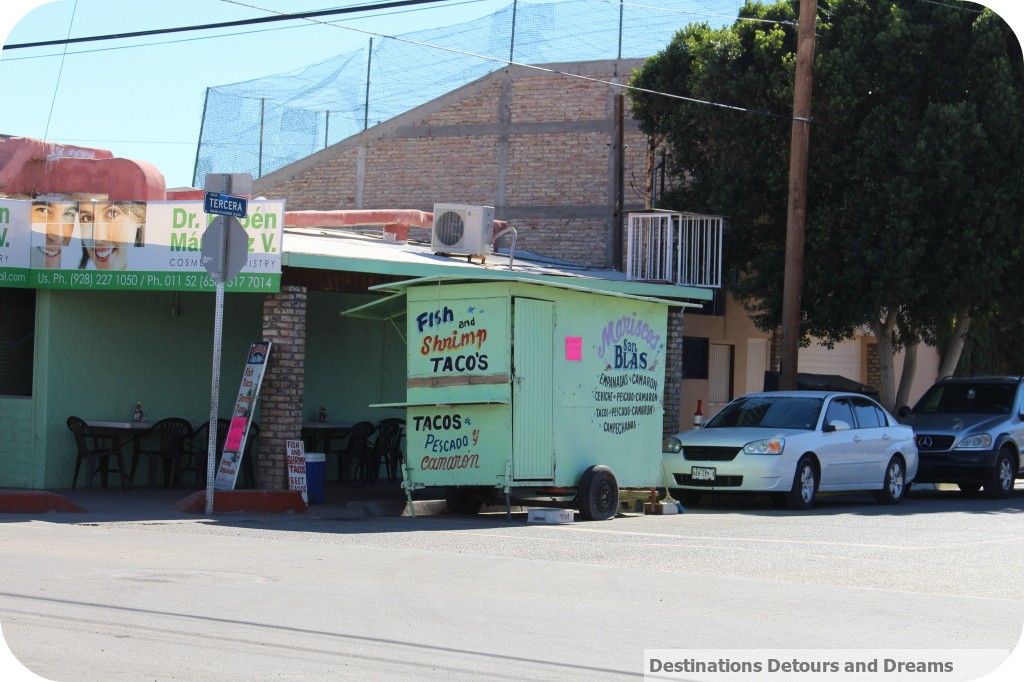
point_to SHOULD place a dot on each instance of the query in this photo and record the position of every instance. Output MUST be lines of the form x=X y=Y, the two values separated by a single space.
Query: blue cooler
x=316 y=462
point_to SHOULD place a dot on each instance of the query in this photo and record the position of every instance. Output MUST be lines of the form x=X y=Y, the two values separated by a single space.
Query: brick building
x=550 y=150
x=542 y=147
x=539 y=147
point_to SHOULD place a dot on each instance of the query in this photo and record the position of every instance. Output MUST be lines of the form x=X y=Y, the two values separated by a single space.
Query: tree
x=916 y=163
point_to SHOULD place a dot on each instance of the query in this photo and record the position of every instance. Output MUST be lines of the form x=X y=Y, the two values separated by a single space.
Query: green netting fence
x=261 y=125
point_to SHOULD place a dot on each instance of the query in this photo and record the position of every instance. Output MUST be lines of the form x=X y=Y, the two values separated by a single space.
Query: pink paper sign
x=235 y=431
x=574 y=348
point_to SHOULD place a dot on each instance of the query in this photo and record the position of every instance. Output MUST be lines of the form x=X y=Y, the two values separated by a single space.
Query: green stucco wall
x=351 y=363
x=97 y=353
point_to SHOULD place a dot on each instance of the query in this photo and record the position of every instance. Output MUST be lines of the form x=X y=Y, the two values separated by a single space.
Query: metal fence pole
x=512 y=40
x=259 y=167
x=622 y=8
x=202 y=124
x=366 y=107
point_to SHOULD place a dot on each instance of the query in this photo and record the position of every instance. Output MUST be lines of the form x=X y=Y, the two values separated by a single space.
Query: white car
x=792 y=445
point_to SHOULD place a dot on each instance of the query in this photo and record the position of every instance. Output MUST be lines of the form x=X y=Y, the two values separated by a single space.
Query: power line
x=698 y=14
x=227 y=24
x=219 y=35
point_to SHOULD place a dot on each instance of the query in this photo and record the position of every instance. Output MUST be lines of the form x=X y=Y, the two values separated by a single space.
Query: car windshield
x=971 y=398
x=778 y=412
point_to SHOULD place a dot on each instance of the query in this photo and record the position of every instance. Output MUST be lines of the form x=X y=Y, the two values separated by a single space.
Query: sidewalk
x=340 y=502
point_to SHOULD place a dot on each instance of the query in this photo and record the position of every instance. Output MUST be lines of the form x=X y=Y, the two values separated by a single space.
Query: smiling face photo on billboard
x=109 y=231
x=53 y=223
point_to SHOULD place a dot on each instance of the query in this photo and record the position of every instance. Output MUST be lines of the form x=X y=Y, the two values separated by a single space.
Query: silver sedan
x=792 y=445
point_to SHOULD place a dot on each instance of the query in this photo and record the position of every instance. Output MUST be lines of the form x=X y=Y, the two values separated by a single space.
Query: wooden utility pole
x=797 y=214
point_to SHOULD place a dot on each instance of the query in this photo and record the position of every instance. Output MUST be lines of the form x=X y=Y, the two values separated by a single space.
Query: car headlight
x=769 y=446
x=672 y=445
x=977 y=441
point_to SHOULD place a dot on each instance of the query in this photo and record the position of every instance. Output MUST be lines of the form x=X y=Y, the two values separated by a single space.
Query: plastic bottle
x=139 y=414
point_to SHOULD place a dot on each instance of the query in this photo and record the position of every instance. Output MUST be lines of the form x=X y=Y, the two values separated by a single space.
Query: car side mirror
x=903 y=412
x=836 y=425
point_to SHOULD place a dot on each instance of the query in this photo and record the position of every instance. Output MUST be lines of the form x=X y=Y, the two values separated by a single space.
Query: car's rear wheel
x=893 y=486
x=1000 y=484
x=968 y=488
x=805 y=485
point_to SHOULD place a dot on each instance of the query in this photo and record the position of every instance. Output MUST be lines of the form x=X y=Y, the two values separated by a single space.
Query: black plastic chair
x=198 y=448
x=355 y=451
x=386 y=450
x=96 y=450
x=171 y=437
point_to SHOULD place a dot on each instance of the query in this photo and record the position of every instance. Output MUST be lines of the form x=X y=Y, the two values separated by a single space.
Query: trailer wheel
x=462 y=501
x=598 y=494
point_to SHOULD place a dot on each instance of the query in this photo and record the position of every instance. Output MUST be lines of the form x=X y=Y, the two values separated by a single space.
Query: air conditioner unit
x=462 y=229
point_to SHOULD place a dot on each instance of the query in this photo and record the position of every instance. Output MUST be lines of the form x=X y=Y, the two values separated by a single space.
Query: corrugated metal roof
x=348 y=250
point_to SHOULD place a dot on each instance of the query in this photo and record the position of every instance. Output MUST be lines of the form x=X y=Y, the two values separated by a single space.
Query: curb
x=35 y=502
x=247 y=501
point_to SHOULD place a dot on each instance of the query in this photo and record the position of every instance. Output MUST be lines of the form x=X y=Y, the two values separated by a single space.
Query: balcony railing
x=678 y=248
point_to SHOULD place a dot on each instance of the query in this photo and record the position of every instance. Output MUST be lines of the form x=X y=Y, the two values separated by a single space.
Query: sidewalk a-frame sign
x=241 y=417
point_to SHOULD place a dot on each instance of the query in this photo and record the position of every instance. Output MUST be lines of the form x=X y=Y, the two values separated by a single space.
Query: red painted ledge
x=251 y=501
x=35 y=502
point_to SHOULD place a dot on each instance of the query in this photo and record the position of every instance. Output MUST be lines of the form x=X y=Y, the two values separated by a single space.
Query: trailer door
x=532 y=389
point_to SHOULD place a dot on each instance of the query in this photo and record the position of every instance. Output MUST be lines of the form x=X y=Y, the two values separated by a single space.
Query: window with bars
x=17 y=341
x=695 y=358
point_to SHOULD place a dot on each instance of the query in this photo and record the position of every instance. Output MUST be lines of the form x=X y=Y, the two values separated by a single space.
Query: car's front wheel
x=805 y=485
x=894 y=485
x=1000 y=484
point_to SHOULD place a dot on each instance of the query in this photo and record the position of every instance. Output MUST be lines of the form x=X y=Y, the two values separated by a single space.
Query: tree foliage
x=916 y=169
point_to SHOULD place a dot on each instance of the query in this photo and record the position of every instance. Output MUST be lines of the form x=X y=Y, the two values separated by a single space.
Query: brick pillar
x=284 y=324
x=673 y=372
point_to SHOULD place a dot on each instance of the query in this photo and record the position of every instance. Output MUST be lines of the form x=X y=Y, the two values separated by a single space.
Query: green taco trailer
x=532 y=391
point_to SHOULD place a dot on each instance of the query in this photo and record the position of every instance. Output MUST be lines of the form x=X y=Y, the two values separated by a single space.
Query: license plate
x=702 y=473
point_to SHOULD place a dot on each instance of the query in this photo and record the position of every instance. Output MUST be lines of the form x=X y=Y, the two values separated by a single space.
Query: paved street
x=140 y=597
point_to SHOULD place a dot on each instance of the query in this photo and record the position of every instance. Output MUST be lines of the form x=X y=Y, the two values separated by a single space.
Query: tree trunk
x=910 y=339
x=884 y=330
x=907 y=375
x=956 y=346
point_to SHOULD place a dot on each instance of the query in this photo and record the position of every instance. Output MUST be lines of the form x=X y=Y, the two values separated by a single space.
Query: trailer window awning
x=386 y=308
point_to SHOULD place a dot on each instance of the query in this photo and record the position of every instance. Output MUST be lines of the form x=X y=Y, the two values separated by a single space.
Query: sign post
x=223 y=183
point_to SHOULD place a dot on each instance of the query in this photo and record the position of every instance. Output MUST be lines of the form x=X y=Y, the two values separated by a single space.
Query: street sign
x=225 y=204
x=227 y=232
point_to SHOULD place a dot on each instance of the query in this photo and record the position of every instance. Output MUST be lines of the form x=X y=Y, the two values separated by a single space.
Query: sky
x=142 y=98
